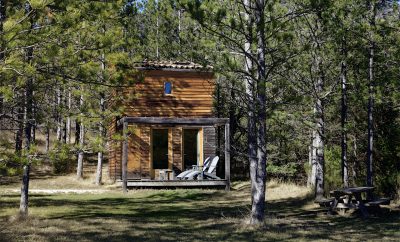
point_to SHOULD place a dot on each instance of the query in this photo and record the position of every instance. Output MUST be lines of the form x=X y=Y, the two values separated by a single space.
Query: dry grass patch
x=48 y=181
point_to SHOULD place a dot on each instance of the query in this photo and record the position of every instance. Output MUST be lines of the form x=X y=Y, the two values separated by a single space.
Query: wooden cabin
x=168 y=126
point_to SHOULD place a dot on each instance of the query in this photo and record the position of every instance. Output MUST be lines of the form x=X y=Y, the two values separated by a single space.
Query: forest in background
x=320 y=77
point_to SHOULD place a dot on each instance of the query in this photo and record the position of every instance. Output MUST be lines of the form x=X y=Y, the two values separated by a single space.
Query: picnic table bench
x=343 y=199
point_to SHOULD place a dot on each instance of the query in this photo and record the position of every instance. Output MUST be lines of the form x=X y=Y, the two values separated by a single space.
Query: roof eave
x=175 y=69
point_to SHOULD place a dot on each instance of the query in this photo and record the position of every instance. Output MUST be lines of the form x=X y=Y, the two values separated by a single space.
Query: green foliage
x=333 y=177
x=387 y=145
x=86 y=48
x=287 y=171
x=62 y=158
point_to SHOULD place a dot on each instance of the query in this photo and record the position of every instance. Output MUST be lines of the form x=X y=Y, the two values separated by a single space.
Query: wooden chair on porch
x=206 y=165
x=205 y=173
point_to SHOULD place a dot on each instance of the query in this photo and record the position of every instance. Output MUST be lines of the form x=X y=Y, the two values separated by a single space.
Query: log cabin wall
x=134 y=145
x=191 y=97
x=209 y=142
x=114 y=151
x=145 y=151
x=177 y=150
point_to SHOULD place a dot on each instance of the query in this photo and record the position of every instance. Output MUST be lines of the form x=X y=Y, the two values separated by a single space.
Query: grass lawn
x=186 y=215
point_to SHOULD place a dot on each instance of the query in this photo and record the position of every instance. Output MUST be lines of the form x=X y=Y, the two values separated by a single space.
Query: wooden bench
x=324 y=202
x=378 y=202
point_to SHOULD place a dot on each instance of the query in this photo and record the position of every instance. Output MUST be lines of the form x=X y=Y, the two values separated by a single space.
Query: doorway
x=159 y=149
x=191 y=148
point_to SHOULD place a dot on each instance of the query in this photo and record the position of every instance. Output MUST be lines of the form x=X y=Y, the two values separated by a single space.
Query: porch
x=171 y=123
x=220 y=183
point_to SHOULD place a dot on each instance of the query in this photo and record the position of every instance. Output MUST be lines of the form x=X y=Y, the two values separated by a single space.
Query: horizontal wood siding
x=145 y=151
x=113 y=150
x=177 y=150
x=192 y=95
x=134 y=164
x=139 y=151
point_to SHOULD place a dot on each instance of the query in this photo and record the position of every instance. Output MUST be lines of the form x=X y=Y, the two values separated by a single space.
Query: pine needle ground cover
x=186 y=215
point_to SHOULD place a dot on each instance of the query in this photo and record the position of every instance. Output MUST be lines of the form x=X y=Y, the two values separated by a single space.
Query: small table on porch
x=344 y=197
x=165 y=175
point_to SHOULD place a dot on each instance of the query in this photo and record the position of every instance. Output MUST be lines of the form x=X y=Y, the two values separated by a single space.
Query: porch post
x=124 y=157
x=227 y=158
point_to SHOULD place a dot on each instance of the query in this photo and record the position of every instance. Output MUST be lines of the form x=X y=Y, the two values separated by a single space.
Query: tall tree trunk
x=370 y=120
x=343 y=75
x=68 y=121
x=179 y=31
x=312 y=162
x=252 y=135
x=79 y=170
x=319 y=108
x=99 y=170
x=64 y=123
x=28 y=140
x=319 y=132
x=59 y=115
x=20 y=127
x=100 y=155
x=371 y=97
x=29 y=120
x=258 y=206
x=33 y=133
x=319 y=145
x=157 y=34
x=77 y=131
x=47 y=138
x=33 y=127
x=23 y=205
x=251 y=112
x=232 y=123
x=218 y=87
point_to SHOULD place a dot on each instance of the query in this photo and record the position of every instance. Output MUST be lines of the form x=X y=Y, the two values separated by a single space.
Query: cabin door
x=191 y=148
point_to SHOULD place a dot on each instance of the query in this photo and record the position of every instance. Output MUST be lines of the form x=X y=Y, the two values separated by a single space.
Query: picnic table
x=346 y=198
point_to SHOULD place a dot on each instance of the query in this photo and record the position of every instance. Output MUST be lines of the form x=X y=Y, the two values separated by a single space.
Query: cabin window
x=167 y=88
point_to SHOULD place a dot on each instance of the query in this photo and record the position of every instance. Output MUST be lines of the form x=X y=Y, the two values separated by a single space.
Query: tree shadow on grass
x=12 y=200
x=200 y=215
x=163 y=216
x=9 y=180
x=296 y=220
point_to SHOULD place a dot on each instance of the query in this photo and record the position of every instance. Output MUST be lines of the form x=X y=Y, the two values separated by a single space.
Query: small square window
x=167 y=88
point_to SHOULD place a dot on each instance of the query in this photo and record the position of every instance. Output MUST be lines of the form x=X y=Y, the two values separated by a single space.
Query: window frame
x=171 y=88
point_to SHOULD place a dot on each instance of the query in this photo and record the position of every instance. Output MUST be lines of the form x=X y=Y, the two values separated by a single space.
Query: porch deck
x=220 y=183
x=169 y=121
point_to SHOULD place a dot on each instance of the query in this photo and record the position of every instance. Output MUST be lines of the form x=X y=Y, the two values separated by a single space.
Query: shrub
x=61 y=158
x=333 y=177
